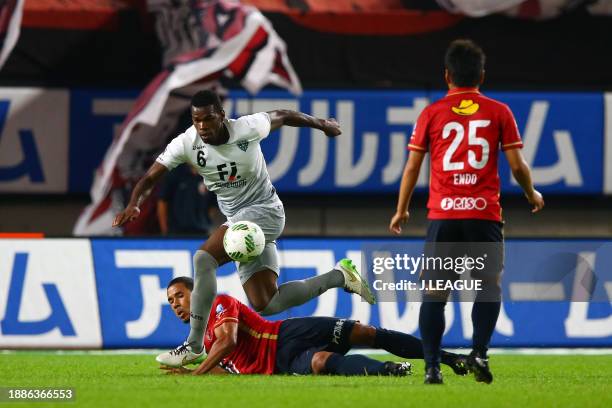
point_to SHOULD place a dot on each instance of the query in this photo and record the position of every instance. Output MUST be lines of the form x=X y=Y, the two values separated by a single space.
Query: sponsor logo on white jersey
x=463 y=203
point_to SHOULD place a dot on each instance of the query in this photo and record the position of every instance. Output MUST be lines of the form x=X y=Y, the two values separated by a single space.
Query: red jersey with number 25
x=464 y=132
x=255 y=352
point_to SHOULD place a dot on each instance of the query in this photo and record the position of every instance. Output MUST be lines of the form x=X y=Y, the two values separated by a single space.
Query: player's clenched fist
x=331 y=127
x=535 y=199
x=129 y=214
x=398 y=220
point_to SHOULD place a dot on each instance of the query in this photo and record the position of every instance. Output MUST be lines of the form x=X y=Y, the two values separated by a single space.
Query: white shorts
x=271 y=220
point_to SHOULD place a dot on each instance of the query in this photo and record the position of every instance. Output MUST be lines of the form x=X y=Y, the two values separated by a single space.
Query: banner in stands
x=48 y=296
x=110 y=293
x=563 y=135
x=34 y=140
x=568 y=141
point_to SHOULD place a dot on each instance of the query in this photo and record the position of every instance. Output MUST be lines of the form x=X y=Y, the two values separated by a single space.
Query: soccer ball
x=244 y=241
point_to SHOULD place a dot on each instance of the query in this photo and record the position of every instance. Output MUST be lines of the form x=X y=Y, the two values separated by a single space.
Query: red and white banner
x=11 y=12
x=232 y=41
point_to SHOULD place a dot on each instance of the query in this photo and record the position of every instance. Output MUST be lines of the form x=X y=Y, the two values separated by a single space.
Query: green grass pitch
x=134 y=380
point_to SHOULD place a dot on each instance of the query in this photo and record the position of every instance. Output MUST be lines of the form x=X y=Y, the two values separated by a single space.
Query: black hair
x=465 y=63
x=205 y=98
x=185 y=280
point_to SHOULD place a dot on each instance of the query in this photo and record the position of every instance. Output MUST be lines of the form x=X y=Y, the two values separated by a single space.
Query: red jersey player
x=240 y=341
x=463 y=133
x=255 y=345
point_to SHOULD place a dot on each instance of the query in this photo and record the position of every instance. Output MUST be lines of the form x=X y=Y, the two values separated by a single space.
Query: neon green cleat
x=353 y=282
x=180 y=356
x=199 y=360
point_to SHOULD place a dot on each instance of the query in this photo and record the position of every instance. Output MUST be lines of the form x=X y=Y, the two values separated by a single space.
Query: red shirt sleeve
x=226 y=310
x=419 y=141
x=510 y=136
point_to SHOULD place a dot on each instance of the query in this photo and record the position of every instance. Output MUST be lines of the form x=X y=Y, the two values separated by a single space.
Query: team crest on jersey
x=219 y=310
x=466 y=107
x=243 y=145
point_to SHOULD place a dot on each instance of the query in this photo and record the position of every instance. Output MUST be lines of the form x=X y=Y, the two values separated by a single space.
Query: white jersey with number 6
x=235 y=171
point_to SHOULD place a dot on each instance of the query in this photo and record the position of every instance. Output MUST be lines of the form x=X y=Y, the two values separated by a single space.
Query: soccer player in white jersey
x=227 y=154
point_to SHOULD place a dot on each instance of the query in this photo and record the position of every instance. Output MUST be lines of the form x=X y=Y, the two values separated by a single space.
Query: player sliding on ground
x=242 y=342
x=227 y=154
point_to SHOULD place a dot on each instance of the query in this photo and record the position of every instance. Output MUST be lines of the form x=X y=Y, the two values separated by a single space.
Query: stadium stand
x=112 y=44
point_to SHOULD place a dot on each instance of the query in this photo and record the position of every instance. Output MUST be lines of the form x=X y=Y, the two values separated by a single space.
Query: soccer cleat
x=480 y=367
x=199 y=360
x=459 y=364
x=400 y=369
x=353 y=282
x=433 y=375
x=180 y=356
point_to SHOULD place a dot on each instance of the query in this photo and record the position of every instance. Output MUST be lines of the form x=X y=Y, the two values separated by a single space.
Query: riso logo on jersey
x=466 y=107
x=463 y=203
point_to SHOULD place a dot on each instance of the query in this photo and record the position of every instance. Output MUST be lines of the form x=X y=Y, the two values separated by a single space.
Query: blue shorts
x=461 y=238
x=300 y=338
x=465 y=230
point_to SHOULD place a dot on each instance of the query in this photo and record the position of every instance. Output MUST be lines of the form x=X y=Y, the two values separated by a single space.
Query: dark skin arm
x=140 y=192
x=227 y=340
x=409 y=179
x=162 y=216
x=284 y=117
x=182 y=370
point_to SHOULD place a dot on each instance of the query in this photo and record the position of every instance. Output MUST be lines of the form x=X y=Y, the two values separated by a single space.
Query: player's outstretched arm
x=409 y=179
x=218 y=370
x=522 y=174
x=285 y=117
x=226 y=342
x=140 y=192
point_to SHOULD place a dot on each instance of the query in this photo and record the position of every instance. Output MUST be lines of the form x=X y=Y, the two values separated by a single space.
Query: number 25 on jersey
x=473 y=140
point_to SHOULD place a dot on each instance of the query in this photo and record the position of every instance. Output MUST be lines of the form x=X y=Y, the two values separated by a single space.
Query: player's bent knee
x=259 y=306
x=319 y=359
x=261 y=290
x=267 y=305
x=214 y=246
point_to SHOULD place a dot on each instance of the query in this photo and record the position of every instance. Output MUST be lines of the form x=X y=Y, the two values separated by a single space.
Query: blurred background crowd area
x=541 y=44
x=83 y=51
